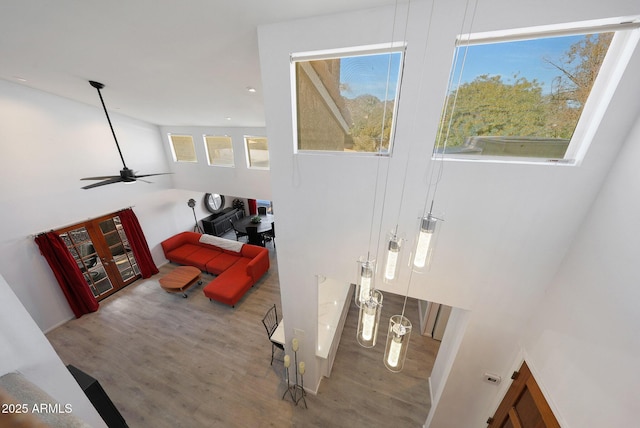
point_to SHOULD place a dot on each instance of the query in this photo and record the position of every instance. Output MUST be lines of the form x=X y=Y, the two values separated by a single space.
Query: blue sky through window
x=524 y=57
x=367 y=75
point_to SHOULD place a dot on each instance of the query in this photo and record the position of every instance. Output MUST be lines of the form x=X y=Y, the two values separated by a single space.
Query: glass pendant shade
x=392 y=258
x=366 y=270
x=397 y=342
x=425 y=243
x=369 y=319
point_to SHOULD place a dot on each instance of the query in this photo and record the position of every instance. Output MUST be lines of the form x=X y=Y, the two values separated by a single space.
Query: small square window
x=257 y=152
x=182 y=148
x=219 y=150
x=345 y=101
x=528 y=95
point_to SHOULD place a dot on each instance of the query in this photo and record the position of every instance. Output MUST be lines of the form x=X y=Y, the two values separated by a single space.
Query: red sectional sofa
x=236 y=271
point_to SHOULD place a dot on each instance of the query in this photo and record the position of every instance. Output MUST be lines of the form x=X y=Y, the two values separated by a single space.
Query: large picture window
x=346 y=101
x=535 y=96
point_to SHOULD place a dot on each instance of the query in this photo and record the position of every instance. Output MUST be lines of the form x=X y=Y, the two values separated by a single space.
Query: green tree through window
x=528 y=101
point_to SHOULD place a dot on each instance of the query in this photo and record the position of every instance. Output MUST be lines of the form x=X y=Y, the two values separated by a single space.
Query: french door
x=101 y=249
x=523 y=405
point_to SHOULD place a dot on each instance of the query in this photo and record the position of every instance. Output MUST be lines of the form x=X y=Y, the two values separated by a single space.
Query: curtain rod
x=33 y=235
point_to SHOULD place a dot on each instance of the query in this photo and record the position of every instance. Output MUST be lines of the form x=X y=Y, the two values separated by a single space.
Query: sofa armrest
x=179 y=239
x=259 y=265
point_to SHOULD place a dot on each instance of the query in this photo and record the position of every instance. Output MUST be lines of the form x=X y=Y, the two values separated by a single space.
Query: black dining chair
x=262 y=210
x=271 y=234
x=254 y=237
x=270 y=322
x=238 y=233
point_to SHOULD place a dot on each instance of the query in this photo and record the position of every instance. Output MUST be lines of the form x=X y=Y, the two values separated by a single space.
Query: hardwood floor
x=167 y=361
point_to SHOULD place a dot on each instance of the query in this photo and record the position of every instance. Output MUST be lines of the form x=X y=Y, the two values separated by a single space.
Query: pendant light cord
x=439 y=137
x=453 y=105
x=393 y=134
x=414 y=121
x=415 y=112
x=379 y=151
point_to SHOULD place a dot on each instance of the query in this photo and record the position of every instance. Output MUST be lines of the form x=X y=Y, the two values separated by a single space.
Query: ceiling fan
x=126 y=175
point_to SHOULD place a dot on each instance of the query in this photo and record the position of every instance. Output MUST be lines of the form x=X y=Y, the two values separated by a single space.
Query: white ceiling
x=161 y=61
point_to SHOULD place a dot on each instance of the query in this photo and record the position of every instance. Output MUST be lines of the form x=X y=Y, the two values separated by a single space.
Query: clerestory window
x=532 y=95
x=345 y=101
x=219 y=150
x=257 y=151
x=182 y=148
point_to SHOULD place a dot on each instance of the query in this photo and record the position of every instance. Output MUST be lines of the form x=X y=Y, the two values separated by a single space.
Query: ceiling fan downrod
x=99 y=86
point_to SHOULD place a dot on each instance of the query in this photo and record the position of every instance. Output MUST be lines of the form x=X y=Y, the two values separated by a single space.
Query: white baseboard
x=58 y=325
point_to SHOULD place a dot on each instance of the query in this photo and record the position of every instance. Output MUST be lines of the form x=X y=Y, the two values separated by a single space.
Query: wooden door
x=103 y=254
x=523 y=406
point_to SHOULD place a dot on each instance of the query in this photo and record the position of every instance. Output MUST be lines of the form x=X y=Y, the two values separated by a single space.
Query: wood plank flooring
x=167 y=361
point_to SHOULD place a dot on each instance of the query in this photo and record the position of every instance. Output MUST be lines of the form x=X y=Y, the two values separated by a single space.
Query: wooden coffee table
x=179 y=279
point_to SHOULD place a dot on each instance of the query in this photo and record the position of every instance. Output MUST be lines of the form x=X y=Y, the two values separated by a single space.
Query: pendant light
x=392 y=256
x=398 y=337
x=425 y=241
x=366 y=277
x=369 y=319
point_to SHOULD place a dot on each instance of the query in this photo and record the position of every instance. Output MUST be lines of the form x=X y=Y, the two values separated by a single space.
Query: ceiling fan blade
x=103 y=177
x=151 y=175
x=111 y=180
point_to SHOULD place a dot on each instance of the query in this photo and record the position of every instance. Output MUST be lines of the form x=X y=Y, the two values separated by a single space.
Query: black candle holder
x=297 y=388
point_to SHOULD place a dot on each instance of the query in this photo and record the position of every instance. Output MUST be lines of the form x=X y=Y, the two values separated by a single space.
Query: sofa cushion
x=221 y=263
x=179 y=239
x=230 y=286
x=181 y=254
x=202 y=256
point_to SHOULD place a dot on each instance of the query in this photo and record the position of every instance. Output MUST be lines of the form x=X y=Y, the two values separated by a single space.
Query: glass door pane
x=119 y=249
x=101 y=249
x=84 y=252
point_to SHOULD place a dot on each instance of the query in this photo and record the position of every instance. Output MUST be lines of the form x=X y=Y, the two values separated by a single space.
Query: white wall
x=584 y=342
x=48 y=144
x=507 y=228
x=26 y=350
x=238 y=181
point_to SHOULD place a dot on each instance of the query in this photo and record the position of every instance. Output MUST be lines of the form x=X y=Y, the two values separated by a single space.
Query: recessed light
x=228 y=118
x=250 y=89
x=20 y=79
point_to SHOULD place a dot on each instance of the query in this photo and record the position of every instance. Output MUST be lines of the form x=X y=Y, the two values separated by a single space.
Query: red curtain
x=66 y=270
x=138 y=242
x=253 y=206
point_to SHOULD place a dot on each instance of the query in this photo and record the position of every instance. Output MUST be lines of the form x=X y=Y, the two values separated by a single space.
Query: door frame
x=101 y=247
x=523 y=380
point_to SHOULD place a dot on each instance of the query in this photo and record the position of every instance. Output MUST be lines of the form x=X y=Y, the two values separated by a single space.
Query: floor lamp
x=192 y=204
